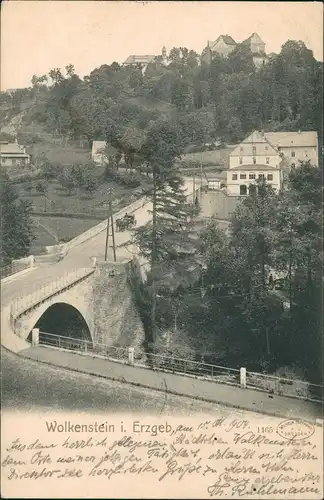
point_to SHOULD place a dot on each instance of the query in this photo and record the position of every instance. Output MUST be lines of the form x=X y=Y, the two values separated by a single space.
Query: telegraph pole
x=110 y=221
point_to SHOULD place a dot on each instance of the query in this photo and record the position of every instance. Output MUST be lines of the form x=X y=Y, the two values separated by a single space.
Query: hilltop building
x=143 y=61
x=268 y=155
x=225 y=44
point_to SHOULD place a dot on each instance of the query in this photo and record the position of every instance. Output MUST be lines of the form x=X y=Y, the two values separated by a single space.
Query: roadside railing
x=13 y=268
x=194 y=368
x=83 y=345
x=26 y=302
x=284 y=387
x=214 y=373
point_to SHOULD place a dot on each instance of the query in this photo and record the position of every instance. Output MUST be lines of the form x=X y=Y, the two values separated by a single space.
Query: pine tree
x=16 y=223
x=166 y=239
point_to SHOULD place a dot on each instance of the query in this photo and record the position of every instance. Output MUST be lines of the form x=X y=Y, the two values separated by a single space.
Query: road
x=30 y=386
x=27 y=384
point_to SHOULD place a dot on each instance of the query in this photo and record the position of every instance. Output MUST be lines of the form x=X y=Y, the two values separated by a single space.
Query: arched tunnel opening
x=62 y=325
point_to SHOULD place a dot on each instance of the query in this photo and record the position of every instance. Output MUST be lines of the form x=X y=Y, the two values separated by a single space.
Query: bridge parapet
x=25 y=303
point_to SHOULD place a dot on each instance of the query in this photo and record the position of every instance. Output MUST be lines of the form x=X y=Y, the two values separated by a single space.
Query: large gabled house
x=268 y=155
x=255 y=157
x=257 y=47
x=295 y=146
x=223 y=45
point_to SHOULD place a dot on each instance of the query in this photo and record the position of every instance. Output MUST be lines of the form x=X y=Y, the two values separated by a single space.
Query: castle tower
x=164 y=53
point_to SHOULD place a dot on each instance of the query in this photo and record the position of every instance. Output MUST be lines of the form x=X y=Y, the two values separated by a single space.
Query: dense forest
x=226 y=99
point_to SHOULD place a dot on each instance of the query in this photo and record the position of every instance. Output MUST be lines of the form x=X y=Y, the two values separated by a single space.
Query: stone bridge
x=94 y=304
x=97 y=300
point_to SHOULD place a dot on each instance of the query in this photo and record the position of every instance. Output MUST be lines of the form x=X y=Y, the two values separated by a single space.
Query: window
x=261 y=176
x=270 y=177
x=267 y=161
x=254 y=160
x=306 y=153
x=254 y=150
x=293 y=154
x=241 y=160
x=266 y=148
x=241 y=148
x=234 y=177
x=279 y=148
x=293 y=165
x=251 y=176
x=242 y=176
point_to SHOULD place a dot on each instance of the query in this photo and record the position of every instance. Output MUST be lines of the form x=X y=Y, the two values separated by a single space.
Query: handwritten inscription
x=224 y=457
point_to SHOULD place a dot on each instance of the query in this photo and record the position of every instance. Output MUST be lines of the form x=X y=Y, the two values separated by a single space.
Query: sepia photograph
x=161 y=255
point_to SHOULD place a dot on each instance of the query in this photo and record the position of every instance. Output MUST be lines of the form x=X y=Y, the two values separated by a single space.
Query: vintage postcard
x=161 y=249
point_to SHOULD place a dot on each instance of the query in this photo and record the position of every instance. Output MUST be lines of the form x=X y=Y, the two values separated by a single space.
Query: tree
x=41 y=187
x=165 y=238
x=68 y=182
x=89 y=182
x=16 y=223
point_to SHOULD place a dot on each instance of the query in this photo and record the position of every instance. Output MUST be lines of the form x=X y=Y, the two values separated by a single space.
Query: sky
x=37 y=36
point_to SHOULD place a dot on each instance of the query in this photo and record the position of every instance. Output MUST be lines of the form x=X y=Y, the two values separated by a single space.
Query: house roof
x=134 y=59
x=254 y=167
x=289 y=139
x=226 y=38
x=98 y=146
x=12 y=149
x=257 y=140
x=255 y=38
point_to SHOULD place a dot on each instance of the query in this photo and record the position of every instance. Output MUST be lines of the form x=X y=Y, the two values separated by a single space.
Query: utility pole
x=110 y=221
x=153 y=259
x=194 y=184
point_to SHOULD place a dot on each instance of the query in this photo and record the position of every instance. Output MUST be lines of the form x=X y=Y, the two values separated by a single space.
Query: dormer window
x=241 y=148
x=254 y=160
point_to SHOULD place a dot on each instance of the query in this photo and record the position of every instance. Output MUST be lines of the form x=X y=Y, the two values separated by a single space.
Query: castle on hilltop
x=142 y=61
x=225 y=44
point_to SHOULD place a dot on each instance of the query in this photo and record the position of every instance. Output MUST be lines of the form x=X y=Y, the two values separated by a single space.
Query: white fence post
x=243 y=377
x=131 y=356
x=31 y=261
x=94 y=262
x=35 y=336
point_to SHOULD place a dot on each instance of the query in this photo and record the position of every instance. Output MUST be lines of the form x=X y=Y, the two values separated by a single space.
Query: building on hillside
x=295 y=146
x=257 y=47
x=270 y=155
x=255 y=157
x=139 y=61
x=13 y=155
x=144 y=61
x=98 y=152
x=223 y=45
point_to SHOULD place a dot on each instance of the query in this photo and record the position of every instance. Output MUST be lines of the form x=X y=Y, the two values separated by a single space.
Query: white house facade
x=296 y=146
x=254 y=158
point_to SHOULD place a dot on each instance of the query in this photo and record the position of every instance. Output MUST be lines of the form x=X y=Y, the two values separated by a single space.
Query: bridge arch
x=62 y=318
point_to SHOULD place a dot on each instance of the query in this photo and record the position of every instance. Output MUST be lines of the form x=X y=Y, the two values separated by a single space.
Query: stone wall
x=217 y=203
x=116 y=319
